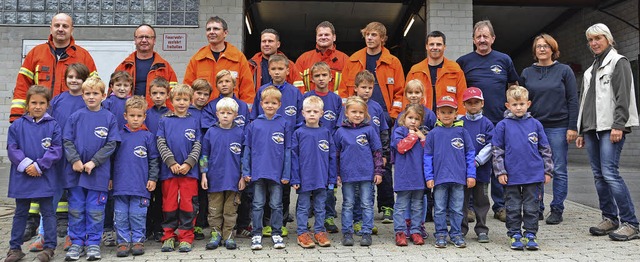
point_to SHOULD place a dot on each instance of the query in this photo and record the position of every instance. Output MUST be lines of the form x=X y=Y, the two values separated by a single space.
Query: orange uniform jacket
x=388 y=72
x=203 y=65
x=41 y=67
x=159 y=67
x=334 y=58
x=450 y=82
x=293 y=78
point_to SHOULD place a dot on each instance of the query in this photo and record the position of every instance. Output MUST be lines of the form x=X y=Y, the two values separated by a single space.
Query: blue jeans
x=449 y=198
x=20 y=221
x=407 y=213
x=366 y=205
x=57 y=195
x=559 y=148
x=302 y=212
x=260 y=188
x=613 y=193
x=412 y=201
x=130 y=218
x=86 y=215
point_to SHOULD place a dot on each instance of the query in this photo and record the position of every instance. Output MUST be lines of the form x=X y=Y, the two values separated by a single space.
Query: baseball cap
x=472 y=92
x=447 y=101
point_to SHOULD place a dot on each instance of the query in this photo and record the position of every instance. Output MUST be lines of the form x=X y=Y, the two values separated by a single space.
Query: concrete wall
x=455 y=19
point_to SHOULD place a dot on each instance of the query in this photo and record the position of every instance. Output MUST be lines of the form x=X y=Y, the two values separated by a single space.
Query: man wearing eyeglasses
x=144 y=64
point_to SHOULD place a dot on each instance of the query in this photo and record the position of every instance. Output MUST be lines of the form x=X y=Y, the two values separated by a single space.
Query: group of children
x=154 y=159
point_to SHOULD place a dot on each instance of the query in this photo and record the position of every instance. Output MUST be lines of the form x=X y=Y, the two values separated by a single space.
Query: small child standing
x=360 y=164
x=522 y=162
x=448 y=167
x=179 y=146
x=313 y=170
x=34 y=145
x=120 y=86
x=221 y=173
x=136 y=168
x=408 y=144
x=225 y=83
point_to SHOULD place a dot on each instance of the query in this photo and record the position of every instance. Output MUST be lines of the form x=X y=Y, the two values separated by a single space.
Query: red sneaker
x=417 y=239
x=401 y=239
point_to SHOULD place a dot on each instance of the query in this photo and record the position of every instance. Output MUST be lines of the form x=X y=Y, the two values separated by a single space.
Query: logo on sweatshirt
x=481 y=139
x=290 y=110
x=375 y=120
x=496 y=69
x=101 y=132
x=235 y=148
x=329 y=115
x=190 y=134
x=362 y=140
x=278 y=138
x=239 y=120
x=533 y=138
x=46 y=143
x=457 y=143
x=140 y=151
x=323 y=145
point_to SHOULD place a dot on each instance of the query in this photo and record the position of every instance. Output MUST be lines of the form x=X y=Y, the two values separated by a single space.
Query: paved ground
x=569 y=241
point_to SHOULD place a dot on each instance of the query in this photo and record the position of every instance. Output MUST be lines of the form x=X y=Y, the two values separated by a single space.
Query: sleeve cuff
x=24 y=164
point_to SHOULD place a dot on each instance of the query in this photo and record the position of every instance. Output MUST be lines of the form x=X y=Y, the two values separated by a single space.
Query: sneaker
x=74 y=253
x=278 y=242
x=37 y=245
x=184 y=247
x=45 y=255
x=67 y=243
x=305 y=240
x=374 y=230
x=230 y=244
x=605 y=227
x=137 y=249
x=256 y=243
x=168 y=245
x=244 y=232
x=501 y=215
x=109 y=238
x=198 y=234
x=625 y=233
x=215 y=241
x=330 y=225
x=471 y=215
x=540 y=216
x=417 y=239
x=285 y=231
x=387 y=215
x=516 y=244
x=322 y=239
x=266 y=231
x=157 y=236
x=357 y=226
x=554 y=218
x=401 y=239
x=122 y=250
x=530 y=242
x=458 y=241
x=347 y=239
x=14 y=255
x=441 y=242
x=483 y=238
x=93 y=252
x=366 y=241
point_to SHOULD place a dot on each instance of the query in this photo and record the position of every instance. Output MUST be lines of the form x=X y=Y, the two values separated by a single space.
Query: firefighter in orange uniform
x=269 y=44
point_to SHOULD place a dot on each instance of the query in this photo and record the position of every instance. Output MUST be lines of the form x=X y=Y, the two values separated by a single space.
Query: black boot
x=33 y=222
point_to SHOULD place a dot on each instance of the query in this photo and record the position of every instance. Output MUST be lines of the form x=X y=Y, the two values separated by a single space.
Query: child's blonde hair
x=135 y=102
x=414 y=84
x=517 y=93
x=120 y=76
x=411 y=108
x=181 y=90
x=160 y=82
x=271 y=91
x=223 y=73
x=38 y=90
x=356 y=100
x=320 y=66
x=92 y=83
x=313 y=101
x=363 y=76
x=227 y=103
x=201 y=84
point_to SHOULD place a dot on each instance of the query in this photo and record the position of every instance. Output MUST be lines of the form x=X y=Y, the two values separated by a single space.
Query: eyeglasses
x=542 y=47
x=142 y=37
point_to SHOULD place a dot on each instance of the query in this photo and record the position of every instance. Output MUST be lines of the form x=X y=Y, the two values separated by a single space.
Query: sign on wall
x=174 y=42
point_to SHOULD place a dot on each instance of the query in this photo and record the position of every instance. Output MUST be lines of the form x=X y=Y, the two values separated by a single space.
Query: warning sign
x=174 y=42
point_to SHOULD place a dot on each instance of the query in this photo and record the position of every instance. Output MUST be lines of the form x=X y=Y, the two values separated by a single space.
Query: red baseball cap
x=447 y=101
x=472 y=92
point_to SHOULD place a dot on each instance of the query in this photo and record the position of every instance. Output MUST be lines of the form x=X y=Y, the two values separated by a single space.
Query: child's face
x=270 y=106
x=364 y=90
x=412 y=121
x=74 y=83
x=355 y=113
x=278 y=71
x=226 y=117
x=446 y=115
x=517 y=106
x=181 y=104
x=415 y=96
x=200 y=98
x=312 y=115
x=135 y=117
x=158 y=95
x=37 y=106
x=321 y=79
x=92 y=98
x=473 y=105
x=121 y=88
x=225 y=86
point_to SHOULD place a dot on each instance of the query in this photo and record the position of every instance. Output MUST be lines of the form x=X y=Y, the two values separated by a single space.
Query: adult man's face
x=435 y=47
x=324 y=37
x=269 y=44
x=373 y=39
x=61 y=28
x=483 y=40
x=145 y=39
x=216 y=33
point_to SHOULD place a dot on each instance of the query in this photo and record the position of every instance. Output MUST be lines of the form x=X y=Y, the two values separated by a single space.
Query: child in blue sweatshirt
x=359 y=158
x=448 y=168
x=522 y=162
x=201 y=94
x=221 y=173
x=34 y=145
x=90 y=137
x=136 y=168
x=313 y=170
x=480 y=129
x=266 y=163
x=225 y=83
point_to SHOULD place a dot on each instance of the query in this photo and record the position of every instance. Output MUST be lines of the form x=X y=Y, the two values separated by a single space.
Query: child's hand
x=377 y=179
x=110 y=186
x=284 y=182
x=184 y=168
x=296 y=186
x=471 y=182
x=89 y=166
x=430 y=184
x=339 y=181
x=32 y=171
x=78 y=166
x=503 y=179
x=151 y=185
x=241 y=184
x=419 y=134
x=175 y=169
x=203 y=182
x=547 y=178
x=247 y=179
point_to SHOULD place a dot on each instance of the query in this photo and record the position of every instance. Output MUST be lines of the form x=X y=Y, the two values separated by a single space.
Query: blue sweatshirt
x=356 y=146
x=133 y=165
x=221 y=155
x=428 y=123
x=521 y=150
x=332 y=108
x=61 y=108
x=481 y=131
x=115 y=105
x=38 y=143
x=153 y=118
x=409 y=174
x=267 y=149
x=195 y=112
x=291 y=104
x=209 y=117
x=449 y=155
x=377 y=114
x=182 y=136
x=313 y=162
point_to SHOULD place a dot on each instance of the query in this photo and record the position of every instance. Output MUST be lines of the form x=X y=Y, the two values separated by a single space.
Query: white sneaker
x=256 y=243
x=278 y=242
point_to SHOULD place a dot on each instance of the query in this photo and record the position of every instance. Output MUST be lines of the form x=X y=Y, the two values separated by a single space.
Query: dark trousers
x=203 y=199
x=522 y=203
x=481 y=205
x=20 y=221
x=154 y=212
x=385 y=189
x=244 y=209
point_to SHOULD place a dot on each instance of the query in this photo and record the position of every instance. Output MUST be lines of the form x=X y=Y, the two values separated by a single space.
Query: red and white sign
x=174 y=42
